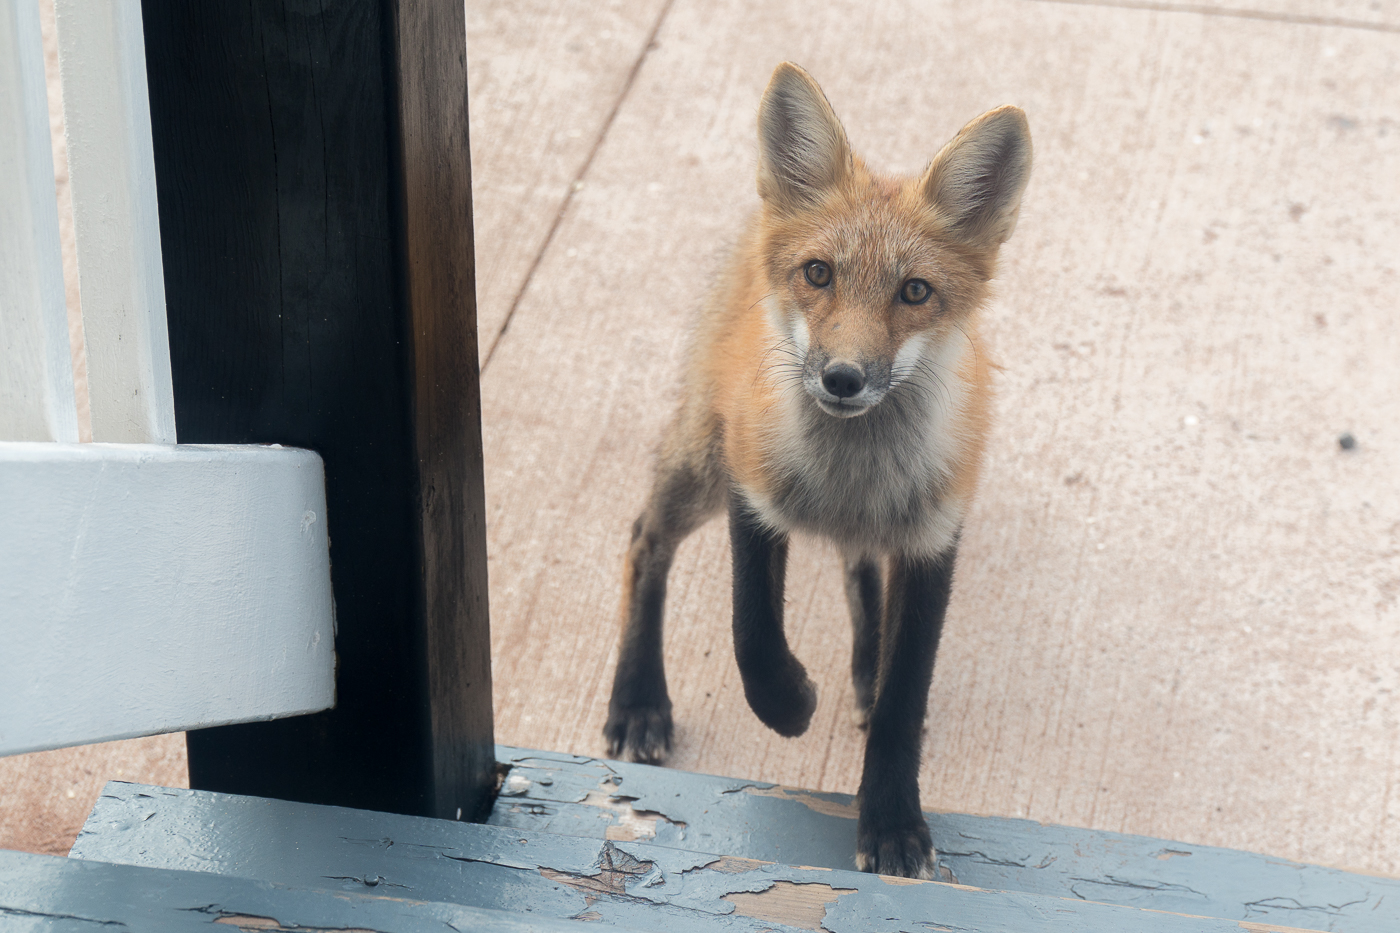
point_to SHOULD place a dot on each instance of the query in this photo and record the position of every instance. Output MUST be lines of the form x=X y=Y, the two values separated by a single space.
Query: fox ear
x=977 y=179
x=802 y=149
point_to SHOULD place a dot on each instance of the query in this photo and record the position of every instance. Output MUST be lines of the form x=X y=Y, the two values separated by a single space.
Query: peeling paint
x=615 y=869
x=515 y=785
x=825 y=804
x=1292 y=903
x=730 y=865
x=1271 y=928
x=762 y=821
x=642 y=885
x=795 y=905
x=254 y=924
x=367 y=880
x=630 y=823
x=51 y=893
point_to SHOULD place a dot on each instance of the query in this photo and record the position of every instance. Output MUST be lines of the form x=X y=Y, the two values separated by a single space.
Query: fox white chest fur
x=883 y=481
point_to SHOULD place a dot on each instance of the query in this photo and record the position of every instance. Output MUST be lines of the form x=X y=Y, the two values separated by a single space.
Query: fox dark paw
x=785 y=700
x=639 y=734
x=906 y=852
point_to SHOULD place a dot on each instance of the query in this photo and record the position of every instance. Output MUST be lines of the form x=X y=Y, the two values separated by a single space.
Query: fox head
x=870 y=277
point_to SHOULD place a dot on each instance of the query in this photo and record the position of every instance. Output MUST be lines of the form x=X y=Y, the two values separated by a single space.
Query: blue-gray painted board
x=44 y=894
x=568 y=794
x=564 y=877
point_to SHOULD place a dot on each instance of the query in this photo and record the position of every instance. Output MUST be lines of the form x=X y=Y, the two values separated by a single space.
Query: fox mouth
x=843 y=407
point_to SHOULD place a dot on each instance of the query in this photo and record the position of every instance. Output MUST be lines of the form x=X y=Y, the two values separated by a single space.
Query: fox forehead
x=875 y=234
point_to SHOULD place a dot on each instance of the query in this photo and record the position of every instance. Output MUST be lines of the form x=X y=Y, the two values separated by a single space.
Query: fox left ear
x=802 y=149
x=977 y=179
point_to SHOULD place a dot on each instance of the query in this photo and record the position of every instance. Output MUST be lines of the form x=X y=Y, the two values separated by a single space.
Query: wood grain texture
x=1176 y=607
x=437 y=237
x=316 y=227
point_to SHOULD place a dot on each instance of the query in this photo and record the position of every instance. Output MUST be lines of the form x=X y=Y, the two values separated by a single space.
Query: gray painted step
x=566 y=877
x=44 y=894
x=559 y=793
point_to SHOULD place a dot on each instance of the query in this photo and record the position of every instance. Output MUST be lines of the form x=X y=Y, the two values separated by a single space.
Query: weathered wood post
x=314 y=182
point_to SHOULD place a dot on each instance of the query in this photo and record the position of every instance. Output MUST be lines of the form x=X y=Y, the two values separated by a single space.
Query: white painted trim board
x=149 y=588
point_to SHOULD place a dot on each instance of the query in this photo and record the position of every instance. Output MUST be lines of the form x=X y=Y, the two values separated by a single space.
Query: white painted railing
x=112 y=175
x=144 y=587
x=36 y=376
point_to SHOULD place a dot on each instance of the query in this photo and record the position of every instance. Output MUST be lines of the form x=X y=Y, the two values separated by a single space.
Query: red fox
x=837 y=386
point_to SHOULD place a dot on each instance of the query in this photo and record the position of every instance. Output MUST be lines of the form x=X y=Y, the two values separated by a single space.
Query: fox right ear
x=976 y=181
x=802 y=149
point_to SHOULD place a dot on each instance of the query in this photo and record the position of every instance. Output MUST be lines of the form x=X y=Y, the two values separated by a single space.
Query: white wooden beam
x=36 y=375
x=107 y=125
x=149 y=588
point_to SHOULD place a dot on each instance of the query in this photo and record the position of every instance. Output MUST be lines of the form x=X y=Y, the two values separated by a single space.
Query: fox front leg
x=775 y=682
x=639 y=723
x=891 y=835
x=865 y=598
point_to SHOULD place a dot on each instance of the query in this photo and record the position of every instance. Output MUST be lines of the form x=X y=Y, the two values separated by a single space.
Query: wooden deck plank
x=557 y=793
x=1176 y=595
x=41 y=893
x=626 y=883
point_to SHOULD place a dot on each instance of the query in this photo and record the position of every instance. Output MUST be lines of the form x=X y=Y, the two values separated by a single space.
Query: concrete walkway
x=1176 y=609
x=1178 y=603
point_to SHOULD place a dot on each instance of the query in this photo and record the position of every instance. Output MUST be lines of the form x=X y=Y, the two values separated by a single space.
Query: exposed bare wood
x=796 y=905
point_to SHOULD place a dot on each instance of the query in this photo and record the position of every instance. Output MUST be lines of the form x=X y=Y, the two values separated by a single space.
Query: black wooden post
x=314 y=181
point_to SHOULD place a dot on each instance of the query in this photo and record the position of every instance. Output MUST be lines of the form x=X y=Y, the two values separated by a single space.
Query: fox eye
x=915 y=292
x=818 y=273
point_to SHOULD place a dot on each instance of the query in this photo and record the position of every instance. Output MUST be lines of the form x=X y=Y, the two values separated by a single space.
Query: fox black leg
x=775 y=682
x=891 y=836
x=639 y=723
x=865 y=597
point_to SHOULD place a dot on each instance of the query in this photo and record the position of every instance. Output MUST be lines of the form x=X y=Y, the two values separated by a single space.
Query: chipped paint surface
x=629 y=823
x=837 y=805
x=40 y=893
x=1273 y=928
x=556 y=877
x=797 y=905
x=763 y=821
x=254 y=924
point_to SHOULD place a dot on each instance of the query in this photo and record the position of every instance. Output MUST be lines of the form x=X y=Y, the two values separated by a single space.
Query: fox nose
x=843 y=380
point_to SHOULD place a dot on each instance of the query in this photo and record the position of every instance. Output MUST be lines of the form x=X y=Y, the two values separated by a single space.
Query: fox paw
x=639 y=734
x=784 y=701
x=907 y=853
